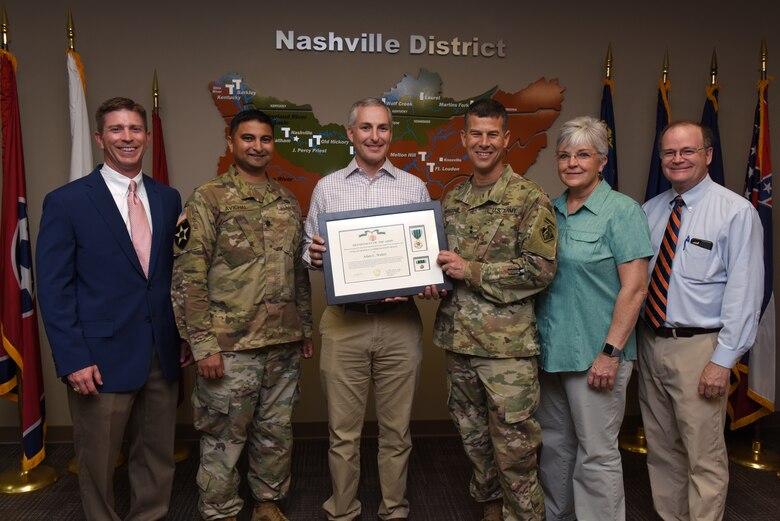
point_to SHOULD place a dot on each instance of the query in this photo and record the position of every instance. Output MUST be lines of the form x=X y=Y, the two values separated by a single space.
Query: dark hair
x=250 y=115
x=486 y=108
x=114 y=104
x=706 y=133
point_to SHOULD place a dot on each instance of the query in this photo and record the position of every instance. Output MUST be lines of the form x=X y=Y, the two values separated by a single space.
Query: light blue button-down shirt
x=575 y=312
x=718 y=270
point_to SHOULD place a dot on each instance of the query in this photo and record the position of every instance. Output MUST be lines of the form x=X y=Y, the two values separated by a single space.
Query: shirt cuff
x=725 y=357
x=203 y=350
x=472 y=274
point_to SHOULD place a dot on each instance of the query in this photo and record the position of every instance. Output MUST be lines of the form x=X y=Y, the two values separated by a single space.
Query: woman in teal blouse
x=586 y=320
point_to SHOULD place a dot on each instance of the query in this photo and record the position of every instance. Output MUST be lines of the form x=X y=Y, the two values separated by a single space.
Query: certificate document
x=382 y=252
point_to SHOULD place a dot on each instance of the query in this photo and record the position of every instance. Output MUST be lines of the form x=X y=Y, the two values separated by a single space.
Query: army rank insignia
x=182 y=235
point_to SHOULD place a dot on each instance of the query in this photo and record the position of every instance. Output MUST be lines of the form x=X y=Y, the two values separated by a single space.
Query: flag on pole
x=81 y=140
x=607 y=115
x=709 y=118
x=159 y=162
x=18 y=313
x=752 y=390
x=656 y=182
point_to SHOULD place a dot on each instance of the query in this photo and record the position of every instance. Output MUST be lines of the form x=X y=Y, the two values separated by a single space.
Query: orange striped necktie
x=655 y=304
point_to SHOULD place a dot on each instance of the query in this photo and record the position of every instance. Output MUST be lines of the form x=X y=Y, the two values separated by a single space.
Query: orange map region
x=426 y=131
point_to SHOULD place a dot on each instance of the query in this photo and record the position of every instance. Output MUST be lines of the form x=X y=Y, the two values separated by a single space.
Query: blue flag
x=709 y=118
x=656 y=182
x=607 y=115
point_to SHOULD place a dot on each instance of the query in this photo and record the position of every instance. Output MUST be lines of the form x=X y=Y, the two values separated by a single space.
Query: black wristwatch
x=612 y=351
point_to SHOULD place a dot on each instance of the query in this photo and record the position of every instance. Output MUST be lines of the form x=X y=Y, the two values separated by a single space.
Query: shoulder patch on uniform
x=182 y=235
x=547 y=231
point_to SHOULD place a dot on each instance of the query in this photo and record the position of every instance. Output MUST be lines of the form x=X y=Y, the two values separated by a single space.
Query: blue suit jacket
x=97 y=305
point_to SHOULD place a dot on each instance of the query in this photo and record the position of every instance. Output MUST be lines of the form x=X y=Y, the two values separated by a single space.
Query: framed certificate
x=382 y=252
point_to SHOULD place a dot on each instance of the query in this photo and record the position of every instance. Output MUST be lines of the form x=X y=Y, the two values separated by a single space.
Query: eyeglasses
x=685 y=153
x=564 y=157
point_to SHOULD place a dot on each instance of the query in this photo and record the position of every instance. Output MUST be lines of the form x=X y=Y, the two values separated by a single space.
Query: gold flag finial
x=608 y=65
x=71 y=32
x=155 y=92
x=665 y=76
x=763 y=57
x=714 y=68
x=4 y=27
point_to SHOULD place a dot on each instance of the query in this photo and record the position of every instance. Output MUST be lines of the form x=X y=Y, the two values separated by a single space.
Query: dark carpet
x=438 y=487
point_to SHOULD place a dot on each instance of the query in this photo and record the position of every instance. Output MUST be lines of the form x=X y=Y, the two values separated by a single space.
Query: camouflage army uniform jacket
x=238 y=279
x=509 y=238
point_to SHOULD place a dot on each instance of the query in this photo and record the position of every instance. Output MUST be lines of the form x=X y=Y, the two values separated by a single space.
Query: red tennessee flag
x=17 y=306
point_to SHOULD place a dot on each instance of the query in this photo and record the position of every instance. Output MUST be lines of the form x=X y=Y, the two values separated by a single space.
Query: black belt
x=683 y=332
x=374 y=308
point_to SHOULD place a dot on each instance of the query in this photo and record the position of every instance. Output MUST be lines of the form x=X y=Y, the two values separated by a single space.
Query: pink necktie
x=140 y=233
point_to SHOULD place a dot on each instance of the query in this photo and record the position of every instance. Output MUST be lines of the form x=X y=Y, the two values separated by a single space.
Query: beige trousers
x=358 y=350
x=686 y=458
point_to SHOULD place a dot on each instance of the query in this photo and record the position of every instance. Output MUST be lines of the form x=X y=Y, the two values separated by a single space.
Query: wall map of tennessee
x=426 y=131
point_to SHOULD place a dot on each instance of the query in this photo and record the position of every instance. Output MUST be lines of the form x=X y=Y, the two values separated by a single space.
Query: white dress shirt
x=119 y=186
x=717 y=275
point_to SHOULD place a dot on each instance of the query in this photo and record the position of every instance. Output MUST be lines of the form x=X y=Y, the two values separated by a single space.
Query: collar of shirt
x=495 y=195
x=386 y=168
x=694 y=195
x=265 y=193
x=594 y=203
x=119 y=184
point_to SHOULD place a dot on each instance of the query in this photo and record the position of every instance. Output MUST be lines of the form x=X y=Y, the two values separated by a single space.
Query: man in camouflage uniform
x=503 y=240
x=242 y=298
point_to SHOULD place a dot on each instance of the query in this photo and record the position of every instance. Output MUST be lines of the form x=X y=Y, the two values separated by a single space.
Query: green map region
x=426 y=131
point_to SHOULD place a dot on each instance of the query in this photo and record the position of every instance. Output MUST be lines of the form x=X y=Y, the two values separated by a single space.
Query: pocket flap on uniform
x=97 y=328
x=581 y=236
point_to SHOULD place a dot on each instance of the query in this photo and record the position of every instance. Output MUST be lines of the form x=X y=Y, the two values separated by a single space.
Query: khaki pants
x=358 y=349
x=686 y=451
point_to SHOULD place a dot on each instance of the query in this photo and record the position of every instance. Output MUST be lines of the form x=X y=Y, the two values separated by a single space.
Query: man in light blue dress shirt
x=712 y=312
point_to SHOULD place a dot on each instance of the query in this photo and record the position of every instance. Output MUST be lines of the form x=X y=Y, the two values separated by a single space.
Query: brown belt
x=683 y=332
x=374 y=308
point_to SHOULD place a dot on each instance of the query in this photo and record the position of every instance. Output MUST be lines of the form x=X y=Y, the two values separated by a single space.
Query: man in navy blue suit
x=106 y=305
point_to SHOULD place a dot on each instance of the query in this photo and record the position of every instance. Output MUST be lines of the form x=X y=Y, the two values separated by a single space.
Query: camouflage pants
x=252 y=403
x=491 y=401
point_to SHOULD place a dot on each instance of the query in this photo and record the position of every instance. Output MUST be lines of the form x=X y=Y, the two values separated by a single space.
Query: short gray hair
x=367 y=102
x=585 y=131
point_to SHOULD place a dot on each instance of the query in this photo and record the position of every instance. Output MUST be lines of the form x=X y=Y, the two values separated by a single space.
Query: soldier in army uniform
x=242 y=299
x=502 y=237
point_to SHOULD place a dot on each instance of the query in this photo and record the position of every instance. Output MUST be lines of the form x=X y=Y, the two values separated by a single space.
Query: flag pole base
x=73 y=464
x=181 y=452
x=633 y=441
x=756 y=457
x=23 y=481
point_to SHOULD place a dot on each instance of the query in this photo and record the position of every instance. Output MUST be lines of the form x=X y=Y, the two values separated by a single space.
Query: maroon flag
x=17 y=306
x=160 y=173
x=159 y=162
